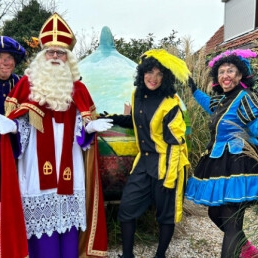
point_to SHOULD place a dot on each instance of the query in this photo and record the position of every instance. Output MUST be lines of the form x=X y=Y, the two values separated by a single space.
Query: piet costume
x=159 y=128
x=165 y=150
x=9 y=45
x=49 y=195
x=159 y=171
x=12 y=47
x=227 y=172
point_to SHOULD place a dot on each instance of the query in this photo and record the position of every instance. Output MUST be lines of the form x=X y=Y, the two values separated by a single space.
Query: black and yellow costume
x=158 y=175
x=160 y=137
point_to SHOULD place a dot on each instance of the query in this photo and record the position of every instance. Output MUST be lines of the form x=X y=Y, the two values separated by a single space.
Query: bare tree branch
x=5 y=8
x=11 y=7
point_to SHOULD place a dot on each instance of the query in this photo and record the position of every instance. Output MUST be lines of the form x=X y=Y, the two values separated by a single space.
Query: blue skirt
x=229 y=179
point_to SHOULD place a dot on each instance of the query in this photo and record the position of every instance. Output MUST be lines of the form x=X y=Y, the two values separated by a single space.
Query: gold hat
x=56 y=32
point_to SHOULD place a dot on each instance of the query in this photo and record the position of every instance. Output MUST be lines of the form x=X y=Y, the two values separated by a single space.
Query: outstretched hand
x=99 y=125
x=115 y=118
x=7 y=125
x=192 y=84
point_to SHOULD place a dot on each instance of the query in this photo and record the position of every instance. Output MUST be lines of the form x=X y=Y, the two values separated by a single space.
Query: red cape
x=13 y=226
x=93 y=242
x=13 y=232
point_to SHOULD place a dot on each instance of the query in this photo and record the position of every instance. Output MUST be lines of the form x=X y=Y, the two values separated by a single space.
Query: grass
x=196 y=244
x=146 y=230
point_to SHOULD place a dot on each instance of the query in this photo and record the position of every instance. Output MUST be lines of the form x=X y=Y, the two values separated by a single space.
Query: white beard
x=51 y=85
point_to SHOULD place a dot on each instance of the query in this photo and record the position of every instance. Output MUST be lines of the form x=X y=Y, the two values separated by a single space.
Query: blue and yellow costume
x=224 y=173
x=226 y=176
x=5 y=88
x=11 y=54
x=12 y=47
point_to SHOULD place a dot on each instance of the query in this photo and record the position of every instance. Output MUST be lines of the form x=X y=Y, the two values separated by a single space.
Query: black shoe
x=122 y=256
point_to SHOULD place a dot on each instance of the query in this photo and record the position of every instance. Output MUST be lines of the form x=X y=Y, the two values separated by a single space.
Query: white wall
x=239 y=18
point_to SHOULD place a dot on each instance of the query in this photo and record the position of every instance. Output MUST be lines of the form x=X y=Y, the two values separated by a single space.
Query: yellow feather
x=176 y=65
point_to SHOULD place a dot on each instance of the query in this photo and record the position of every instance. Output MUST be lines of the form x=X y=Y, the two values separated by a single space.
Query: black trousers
x=142 y=190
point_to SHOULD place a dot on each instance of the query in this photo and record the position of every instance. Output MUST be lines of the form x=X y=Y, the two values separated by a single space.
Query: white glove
x=99 y=125
x=7 y=125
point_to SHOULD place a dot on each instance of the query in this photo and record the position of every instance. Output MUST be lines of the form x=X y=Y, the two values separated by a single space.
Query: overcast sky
x=197 y=19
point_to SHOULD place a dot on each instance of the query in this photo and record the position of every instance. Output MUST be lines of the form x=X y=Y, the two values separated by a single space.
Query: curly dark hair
x=247 y=78
x=18 y=58
x=167 y=85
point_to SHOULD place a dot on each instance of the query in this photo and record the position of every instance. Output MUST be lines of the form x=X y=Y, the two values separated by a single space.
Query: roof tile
x=216 y=42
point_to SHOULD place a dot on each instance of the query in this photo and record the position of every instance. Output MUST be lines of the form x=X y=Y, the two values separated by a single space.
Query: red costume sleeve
x=83 y=100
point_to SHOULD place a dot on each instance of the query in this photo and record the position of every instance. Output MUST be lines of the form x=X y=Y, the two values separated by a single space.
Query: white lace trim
x=52 y=212
x=78 y=127
x=24 y=130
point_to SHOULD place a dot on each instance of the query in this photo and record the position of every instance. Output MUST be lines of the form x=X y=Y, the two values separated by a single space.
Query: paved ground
x=195 y=237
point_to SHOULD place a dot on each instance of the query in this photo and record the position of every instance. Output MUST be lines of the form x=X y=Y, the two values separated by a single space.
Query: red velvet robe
x=14 y=239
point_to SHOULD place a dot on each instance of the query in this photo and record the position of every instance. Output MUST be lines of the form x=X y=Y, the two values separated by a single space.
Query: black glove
x=121 y=120
x=104 y=114
x=192 y=84
x=115 y=117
